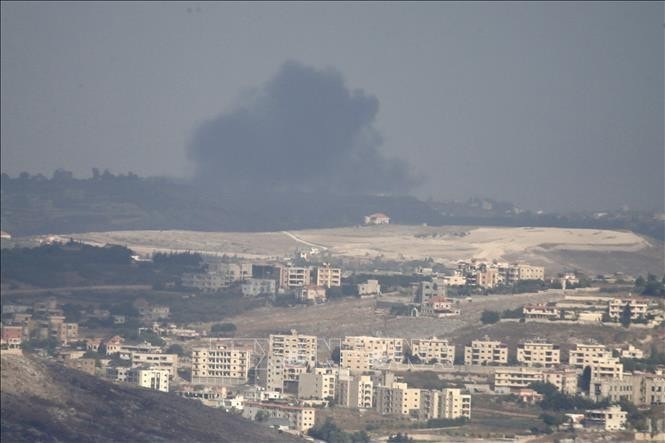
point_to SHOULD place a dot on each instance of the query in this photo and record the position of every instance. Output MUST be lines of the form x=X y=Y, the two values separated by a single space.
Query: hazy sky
x=549 y=105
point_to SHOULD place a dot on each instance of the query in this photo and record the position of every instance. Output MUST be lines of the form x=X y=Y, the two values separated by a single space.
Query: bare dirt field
x=590 y=250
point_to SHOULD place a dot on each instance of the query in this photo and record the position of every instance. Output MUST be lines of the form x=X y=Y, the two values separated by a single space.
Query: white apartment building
x=454 y=404
x=598 y=358
x=638 y=309
x=258 y=286
x=355 y=391
x=541 y=312
x=361 y=353
x=301 y=419
x=146 y=377
x=539 y=353
x=220 y=365
x=397 y=399
x=327 y=276
x=288 y=357
x=512 y=378
x=610 y=419
x=433 y=350
x=524 y=272
x=156 y=361
x=485 y=352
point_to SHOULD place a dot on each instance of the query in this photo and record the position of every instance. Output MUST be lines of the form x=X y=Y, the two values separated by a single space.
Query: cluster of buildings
x=488 y=275
x=597 y=308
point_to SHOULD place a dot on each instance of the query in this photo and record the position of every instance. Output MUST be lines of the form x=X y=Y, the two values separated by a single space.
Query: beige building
x=369 y=288
x=598 y=358
x=301 y=419
x=565 y=379
x=398 y=399
x=152 y=378
x=157 y=361
x=541 y=312
x=642 y=389
x=438 y=307
x=355 y=391
x=486 y=352
x=638 y=309
x=327 y=276
x=512 y=378
x=524 y=272
x=288 y=357
x=538 y=353
x=361 y=353
x=320 y=384
x=454 y=404
x=610 y=419
x=311 y=294
x=220 y=365
x=433 y=350
x=292 y=277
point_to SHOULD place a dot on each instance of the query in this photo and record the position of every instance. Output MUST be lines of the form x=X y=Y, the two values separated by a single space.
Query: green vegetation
x=489 y=317
x=331 y=433
x=554 y=400
x=650 y=286
x=175 y=349
x=649 y=364
x=223 y=330
x=444 y=422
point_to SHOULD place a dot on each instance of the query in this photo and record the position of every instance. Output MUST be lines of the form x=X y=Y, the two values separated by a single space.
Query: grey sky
x=549 y=105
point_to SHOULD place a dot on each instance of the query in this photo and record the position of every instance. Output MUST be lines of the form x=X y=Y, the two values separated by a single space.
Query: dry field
x=590 y=250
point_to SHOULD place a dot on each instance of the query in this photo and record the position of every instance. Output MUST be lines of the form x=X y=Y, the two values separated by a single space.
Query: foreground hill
x=47 y=402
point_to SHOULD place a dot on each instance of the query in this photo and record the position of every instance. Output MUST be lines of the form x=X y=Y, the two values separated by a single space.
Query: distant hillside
x=33 y=205
x=47 y=402
x=36 y=205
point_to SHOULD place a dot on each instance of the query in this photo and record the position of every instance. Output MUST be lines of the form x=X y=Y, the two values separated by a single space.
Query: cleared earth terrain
x=593 y=251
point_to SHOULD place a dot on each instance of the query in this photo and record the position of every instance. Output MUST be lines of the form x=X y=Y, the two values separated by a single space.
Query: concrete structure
x=327 y=276
x=218 y=276
x=398 y=399
x=454 y=404
x=519 y=272
x=293 y=277
x=642 y=389
x=360 y=353
x=87 y=365
x=300 y=419
x=320 y=384
x=146 y=377
x=541 y=312
x=369 y=288
x=311 y=294
x=355 y=391
x=288 y=357
x=631 y=352
x=258 y=286
x=435 y=350
x=156 y=361
x=377 y=218
x=506 y=379
x=610 y=419
x=438 y=307
x=486 y=352
x=598 y=358
x=565 y=379
x=538 y=353
x=220 y=365
x=616 y=306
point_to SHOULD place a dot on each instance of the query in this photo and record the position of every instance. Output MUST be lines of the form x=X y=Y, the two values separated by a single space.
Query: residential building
x=218 y=275
x=565 y=379
x=327 y=276
x=457 y=279
x=147 y=377
x=301 y=419
x=293 y=277
x=258 y=286
x=377 y=218
x=638 y=309
x=519 y=272
x=311 y=294
x=425 y=290
x=319 y=384
x=511 y=377
x=220 y=364
x=433 y=350
x=288 y=357
x=369 y=288
x=486 y=352
x=642 y=389
x=598 y=358
x=454 y=404
x=355 y=391
x=539 y=353
x=360 y=353
x=438 y=307
x=398 y=399
x=631 y=352
x=12 y=337
x=611 y=419
x=168 y=362
x=541 y=312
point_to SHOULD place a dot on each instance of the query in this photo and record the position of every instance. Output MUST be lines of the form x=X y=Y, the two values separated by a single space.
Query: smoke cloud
x=303 y=130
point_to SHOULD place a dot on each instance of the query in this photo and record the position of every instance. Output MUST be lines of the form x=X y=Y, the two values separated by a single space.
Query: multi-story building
x=541 y=312
x=433 y=350
x=369 y=288
x=220 y=365
x=641 y=389
x=512 y=378
x=398 y=399
x=12 y=337
x=598 y=358
x=156 y=361
x=565 y=379
x=425 y=290
x=538 y=353
x=486 y=352
x=360 y=353
x=288 y=357
x=258 y=286
x=320 y=384
x=454 y=404
x=327 y=276
x=438 y=307
x=631 y=352
x=300 y=419
x=616 y=307
x=147 y=377
x=355 y=391
x=519 y=272
x=219 y=275
x=292 y=277
x=611 y=419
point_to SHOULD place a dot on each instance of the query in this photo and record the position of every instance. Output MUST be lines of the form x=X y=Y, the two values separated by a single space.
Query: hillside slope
x=46 y=402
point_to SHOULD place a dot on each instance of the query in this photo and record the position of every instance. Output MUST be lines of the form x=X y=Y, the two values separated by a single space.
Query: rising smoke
x=303 y=130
